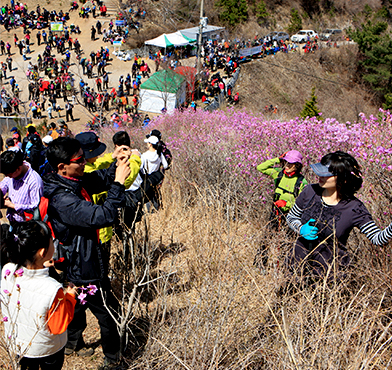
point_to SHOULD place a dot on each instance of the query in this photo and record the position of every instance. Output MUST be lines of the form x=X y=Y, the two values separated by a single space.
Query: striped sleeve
x=294 y=218
x=375 y=234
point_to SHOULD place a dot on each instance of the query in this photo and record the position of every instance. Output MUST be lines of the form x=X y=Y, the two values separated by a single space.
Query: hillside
x=286 y=80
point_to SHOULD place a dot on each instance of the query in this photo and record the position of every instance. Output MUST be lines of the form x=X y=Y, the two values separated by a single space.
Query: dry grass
x=274 y=80
x=221 y=312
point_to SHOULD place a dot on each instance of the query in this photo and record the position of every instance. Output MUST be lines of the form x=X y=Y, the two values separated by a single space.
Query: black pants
x=69 y=115
x=52 y=362
x=109 y=334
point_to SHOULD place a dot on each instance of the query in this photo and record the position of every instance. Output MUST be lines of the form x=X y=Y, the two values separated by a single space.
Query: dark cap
x=14 y=129
x=321 y=170
x=90 y=144
x=156 y=133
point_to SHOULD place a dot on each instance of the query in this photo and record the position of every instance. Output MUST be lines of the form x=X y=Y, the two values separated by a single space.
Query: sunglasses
x=79 y=160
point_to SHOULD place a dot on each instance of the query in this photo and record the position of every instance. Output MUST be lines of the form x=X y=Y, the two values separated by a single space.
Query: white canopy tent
x=167 y=40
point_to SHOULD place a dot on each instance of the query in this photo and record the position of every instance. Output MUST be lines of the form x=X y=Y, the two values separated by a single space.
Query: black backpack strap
x=279 y=178
x=277 y=182
x=298 y=185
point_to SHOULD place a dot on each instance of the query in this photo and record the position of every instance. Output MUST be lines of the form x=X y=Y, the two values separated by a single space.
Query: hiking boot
x=83 y=352
x=68 y=351
x=108 y=364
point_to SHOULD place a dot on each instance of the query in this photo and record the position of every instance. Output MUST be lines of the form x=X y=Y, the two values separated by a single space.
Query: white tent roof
x=167 y=40
x=208 y=30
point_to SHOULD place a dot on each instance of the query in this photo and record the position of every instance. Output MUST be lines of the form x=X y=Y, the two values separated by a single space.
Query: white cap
x=47 y=139
x=152 y=140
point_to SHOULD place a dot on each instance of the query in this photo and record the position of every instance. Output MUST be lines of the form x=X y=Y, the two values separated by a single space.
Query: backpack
x=134 y=200
x=40 y=213
x=296 y=186
x=167 y=154
x=45 y=168
x=37 y=156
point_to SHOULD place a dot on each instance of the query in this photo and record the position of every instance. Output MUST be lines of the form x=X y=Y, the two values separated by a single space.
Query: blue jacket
x=76 y=221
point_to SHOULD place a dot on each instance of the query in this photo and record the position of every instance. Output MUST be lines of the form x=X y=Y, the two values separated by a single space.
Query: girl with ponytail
x=36 y=311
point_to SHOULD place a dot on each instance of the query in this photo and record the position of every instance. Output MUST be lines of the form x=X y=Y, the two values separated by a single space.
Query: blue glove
x=308 y=230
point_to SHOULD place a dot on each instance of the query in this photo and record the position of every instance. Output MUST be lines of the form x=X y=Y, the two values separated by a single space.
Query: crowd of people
x=83 y=190
x=54 y=88
x=16 y=15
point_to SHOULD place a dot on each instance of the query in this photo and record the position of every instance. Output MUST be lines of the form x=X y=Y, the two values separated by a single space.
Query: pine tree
x=375 y=50
x=232 y=12
x=261 y=11
x=310 y=108
x=295 y=22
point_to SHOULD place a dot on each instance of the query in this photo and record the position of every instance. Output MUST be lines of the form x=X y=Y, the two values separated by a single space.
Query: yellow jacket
x=105 y=161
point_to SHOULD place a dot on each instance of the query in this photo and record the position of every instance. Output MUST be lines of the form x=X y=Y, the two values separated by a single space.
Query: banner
x=56 y=26
x=251 y=51
x=120 y=23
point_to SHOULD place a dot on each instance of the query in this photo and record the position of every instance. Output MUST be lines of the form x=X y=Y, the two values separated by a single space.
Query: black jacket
x=76 y=221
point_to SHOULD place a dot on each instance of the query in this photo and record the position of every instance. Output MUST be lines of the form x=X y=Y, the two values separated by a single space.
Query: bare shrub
x=221 y=312
x=211 y=307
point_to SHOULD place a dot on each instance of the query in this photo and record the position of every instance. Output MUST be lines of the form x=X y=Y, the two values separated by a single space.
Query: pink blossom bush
x=218 y=152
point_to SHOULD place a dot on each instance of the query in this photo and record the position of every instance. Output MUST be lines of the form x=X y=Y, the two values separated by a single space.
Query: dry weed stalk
x=219 y=312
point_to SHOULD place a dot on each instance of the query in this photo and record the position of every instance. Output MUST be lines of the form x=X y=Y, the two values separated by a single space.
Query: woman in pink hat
x=286 y=172
x=325 y=214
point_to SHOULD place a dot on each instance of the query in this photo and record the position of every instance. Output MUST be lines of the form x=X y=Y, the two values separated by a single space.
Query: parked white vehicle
x=302 y=36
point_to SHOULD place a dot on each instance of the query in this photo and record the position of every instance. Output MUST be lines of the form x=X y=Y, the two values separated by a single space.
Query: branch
x=167 y=349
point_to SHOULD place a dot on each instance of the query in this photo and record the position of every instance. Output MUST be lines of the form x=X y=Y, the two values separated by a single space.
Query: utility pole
x=200 y=37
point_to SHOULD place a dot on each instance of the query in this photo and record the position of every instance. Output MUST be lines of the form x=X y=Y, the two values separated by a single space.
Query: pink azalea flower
x=6 y=292
x=18 y=272
x=4 y=319
x=82 y=297
x=7 y=273
x=92 y=289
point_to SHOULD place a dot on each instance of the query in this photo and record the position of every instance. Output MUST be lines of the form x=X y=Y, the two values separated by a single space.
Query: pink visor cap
x=293 y=156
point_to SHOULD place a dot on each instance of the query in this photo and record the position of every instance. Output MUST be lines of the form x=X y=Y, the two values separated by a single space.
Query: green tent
x=164 y=80
x=164 y=89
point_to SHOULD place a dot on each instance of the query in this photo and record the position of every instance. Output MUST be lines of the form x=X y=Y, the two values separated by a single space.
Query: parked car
x=282 y=36
x=331 y=34
x=302 y=36
x=271 y=35
x=277 y=36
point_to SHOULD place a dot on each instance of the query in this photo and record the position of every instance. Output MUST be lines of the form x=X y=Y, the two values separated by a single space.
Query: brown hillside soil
x=286 y=80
